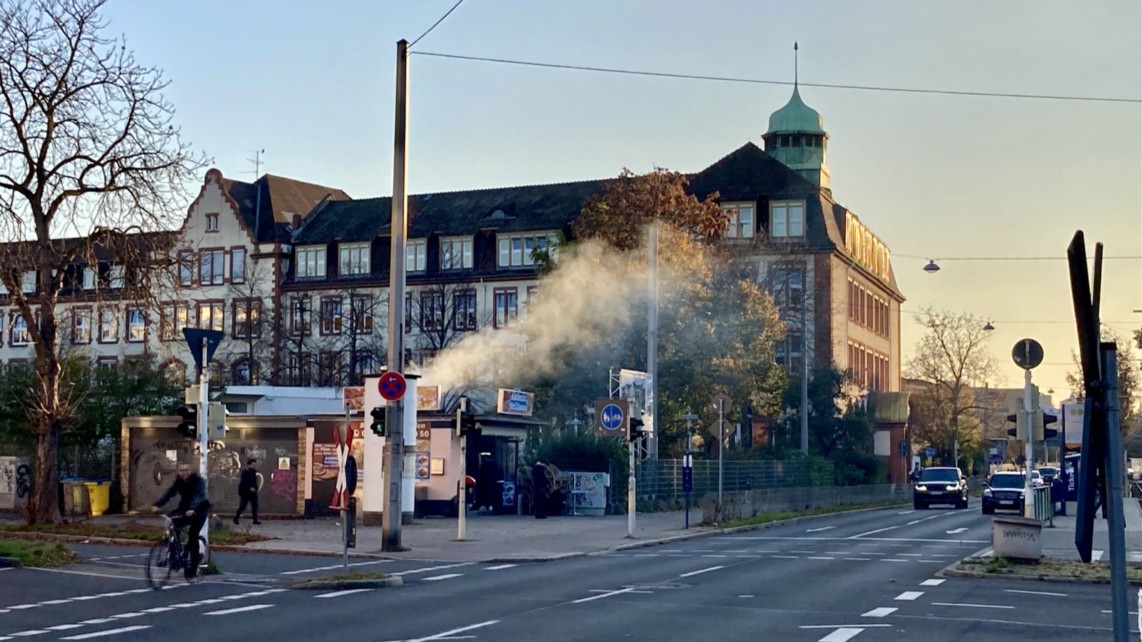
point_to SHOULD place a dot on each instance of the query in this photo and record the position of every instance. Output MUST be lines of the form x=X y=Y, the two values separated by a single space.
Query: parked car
x=940 y=486
x=1004 y=491
x=1048 y=473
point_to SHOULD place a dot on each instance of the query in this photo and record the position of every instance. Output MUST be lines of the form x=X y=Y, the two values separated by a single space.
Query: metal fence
x=779 y=500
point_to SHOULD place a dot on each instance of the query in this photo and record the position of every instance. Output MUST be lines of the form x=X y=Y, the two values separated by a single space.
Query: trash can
x=76 y=498
x=99 y=496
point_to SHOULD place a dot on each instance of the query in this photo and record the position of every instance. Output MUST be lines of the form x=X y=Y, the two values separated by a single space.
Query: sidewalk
x=1059 y=542
x=489 y=538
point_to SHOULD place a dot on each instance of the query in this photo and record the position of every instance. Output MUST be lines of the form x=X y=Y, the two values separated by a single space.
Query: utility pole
x=688 y=463
x=203 y=431
x=462 y=492
x=394 y=420
x=804 y=380
x=652 y=342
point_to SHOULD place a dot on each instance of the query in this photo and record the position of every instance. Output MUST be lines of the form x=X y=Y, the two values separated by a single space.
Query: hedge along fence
x=749 y=503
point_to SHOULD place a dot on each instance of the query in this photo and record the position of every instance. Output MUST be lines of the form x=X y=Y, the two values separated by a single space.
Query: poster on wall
x=423 y=466
x=423 y=450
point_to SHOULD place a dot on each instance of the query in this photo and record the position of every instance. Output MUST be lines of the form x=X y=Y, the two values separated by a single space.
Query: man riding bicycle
x=193 y=508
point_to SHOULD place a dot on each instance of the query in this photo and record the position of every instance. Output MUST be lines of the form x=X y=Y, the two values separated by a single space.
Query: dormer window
x=354 y=259
x=311 y=262
x=787 y=219
x=455 y=253
x=212 y=222
x=519 y=250
x=416 y=255
x=740 y=220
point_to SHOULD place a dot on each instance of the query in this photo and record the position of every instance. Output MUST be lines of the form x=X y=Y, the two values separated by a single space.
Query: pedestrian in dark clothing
x=248 y=490
x=539 y=490
x=193 y=508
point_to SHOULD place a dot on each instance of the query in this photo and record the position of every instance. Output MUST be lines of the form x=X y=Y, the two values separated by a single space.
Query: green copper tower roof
x=795 y=118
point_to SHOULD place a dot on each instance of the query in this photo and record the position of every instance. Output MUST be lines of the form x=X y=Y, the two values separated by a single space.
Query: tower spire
x=794 y=64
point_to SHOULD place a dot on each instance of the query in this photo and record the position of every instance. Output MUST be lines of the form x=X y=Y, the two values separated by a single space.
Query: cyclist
x=193 y=508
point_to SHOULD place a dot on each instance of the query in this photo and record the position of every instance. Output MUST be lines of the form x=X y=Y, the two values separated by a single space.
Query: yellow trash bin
x=100 y=495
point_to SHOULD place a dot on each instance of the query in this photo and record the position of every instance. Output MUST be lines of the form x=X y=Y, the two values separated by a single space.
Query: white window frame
x=81 y=326
x=310 y=261
x=18 y=333
x=212 y=222
x=516 y=250
x=88 y=277
x=215 y=315
x=353 y=259
x=108 y=325
x=456 y=253
x=212 y=264
x=28 y=282
x=117 y=277
x=740 y=220
x=416 y=255
x=782 y=222
x=238 y=265
x=136 y=325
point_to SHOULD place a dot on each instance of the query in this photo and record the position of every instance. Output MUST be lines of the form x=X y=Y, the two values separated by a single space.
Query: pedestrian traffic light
x=636 y=429
x=1049 y=419
x=378 y=423
x=468 y=424
x=188 y=420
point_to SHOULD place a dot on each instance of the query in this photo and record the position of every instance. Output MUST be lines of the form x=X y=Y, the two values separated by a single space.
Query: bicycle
x=169 y=555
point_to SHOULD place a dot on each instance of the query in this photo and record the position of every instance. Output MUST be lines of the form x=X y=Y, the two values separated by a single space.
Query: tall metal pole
x=804 y=380
x=394 y=418
x=1116 y=529
x=652 y=342
x=632 y=505
x=1028 y=498
x=462 y=492
x=721 y=447
x=203 y=436
x=688 y=463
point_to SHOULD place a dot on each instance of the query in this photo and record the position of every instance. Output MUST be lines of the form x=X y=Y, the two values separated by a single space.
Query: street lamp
x=988 y=327
x=931 y=267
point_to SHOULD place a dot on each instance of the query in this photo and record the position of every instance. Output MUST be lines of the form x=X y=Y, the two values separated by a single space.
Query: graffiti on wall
x=15 y=482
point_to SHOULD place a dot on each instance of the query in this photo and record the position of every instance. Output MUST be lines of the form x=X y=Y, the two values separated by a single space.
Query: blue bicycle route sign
x=611 y=417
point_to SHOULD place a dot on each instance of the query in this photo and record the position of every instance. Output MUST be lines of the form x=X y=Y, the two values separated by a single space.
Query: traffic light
x=1018 y=417
x=378 y=423
x=635 y=429
x=468 y=424
x=1048 y=419
x=1011 y=432
x=188 y=424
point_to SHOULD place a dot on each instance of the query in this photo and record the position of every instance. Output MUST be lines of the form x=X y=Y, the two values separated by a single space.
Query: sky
x=991 y=188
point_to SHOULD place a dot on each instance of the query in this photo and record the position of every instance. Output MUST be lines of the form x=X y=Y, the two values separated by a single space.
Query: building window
x=408 y=313
x=210 y=316
x=431 y=311
x=464 y=310
x=363 y=314
x=247 y=315
x=185 y=269
x=416 y=255
x=88 y=277
x=297 y=369
x=116 y=276
x=299 y=316
x=329 y=372
x=18 y=335
x=456 y=253
x=211 y=267
x=311 y=262
x=81 y=326
x=787 y=219
x=507 y=306
x=331 y=315
x=107 y=363
x=238 y=265
x=740 y=217
x=136 y=325
x=176 y=316
x=212 y=222
x=363 y=363
x=354 y=259
x=244 y=372
x=518 y=250
x=28 y=282
x=108 y=325
x=789 y=350
x=787 y=285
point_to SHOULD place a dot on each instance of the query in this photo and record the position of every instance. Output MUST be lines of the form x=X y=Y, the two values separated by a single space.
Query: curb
x=1060 y=579
x=340 y=585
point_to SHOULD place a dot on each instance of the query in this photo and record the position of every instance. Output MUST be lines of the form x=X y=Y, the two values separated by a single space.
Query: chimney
x=296 y=221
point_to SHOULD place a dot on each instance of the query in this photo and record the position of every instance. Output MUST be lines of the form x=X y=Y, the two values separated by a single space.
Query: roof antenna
x=795 y=64
x=257 y=160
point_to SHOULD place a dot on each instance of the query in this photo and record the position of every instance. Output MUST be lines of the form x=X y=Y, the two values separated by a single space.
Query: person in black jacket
x=193 y=509
x=248 y=491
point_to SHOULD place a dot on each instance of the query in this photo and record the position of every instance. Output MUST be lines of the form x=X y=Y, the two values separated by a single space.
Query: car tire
x=988 y=510
x=916 y=505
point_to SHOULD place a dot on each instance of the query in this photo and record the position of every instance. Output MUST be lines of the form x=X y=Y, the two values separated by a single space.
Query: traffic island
x=1049 y=570
x=347 y=581
x=1017 y=538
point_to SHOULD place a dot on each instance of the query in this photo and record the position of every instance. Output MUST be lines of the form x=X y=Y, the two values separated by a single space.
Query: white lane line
x=801 y=552
x=714 y=555
x=909 y=595
x=956 y=531
x=818 y=530
x=1035 y=592
x=446 y=576
x=977 y=606
x=932 y=582
x=99 y=634
x=906 y=512
x=874 y=532
x=845 y=626
x=452 y=634
x=786 y=557
x=28 y=634
x=820 y=557
x=158 y=609
x=332 y=567
x=911 y=554
x=893 y=559
x=737 y=550
x=700 y=571
x=128 y=616
x=596 y=597
x=858 y=559
x=64 y=627
x=98 y=620
x=841 y=635
x=1096 y=555
x=429 y=569
x=882 y=611
x=500 y=567
x=340 y=593
x=240 y=609
x=913 y=522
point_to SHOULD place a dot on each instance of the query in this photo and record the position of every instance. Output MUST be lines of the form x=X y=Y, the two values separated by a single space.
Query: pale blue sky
x=933 y=176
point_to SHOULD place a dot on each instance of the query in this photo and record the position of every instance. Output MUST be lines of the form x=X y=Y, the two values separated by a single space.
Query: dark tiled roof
x=747 y=172
x=529 y=207
x=281 y=199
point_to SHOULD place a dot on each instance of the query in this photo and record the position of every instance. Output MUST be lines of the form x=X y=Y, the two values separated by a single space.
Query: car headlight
x=922 y=488
x=987 y=492
x=951 y=487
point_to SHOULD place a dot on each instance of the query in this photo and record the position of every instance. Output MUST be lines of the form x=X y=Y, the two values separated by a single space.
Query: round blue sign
x=611 y=417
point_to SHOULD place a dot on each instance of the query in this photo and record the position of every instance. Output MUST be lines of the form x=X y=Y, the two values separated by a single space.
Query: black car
x=1004 y=491
x=940 y=486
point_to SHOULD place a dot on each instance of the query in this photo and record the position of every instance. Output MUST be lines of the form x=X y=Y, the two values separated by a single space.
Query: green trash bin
x=99 y=496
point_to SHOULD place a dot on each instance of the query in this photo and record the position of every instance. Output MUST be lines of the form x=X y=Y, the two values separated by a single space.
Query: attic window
x=498 y=215
x=212 y=222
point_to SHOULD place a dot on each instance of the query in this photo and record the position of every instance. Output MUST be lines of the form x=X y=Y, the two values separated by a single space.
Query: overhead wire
x=446 y=14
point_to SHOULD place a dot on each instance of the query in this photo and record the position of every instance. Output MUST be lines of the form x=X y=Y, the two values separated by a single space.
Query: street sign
x=194 y=338
x=930 y=452
x=392 y=386
x=1027 y=353
x=611 y=417
x=722 y=403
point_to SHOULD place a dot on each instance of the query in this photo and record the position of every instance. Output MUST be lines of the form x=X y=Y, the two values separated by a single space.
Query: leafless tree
x=90 y=168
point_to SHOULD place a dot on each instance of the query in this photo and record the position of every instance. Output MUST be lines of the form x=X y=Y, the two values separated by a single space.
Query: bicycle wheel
x=159 y=565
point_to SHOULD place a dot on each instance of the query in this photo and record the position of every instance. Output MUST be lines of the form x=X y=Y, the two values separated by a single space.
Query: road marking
x=909 y=595
x=714 y=555
x=699 y=572
x=1036 y=592
x=882 y=611
x=332 y=567
x=431 y=568
x=500 y=567
x=597 y=597
x=820 y=557
x=913 y=522
x=64 y=627
x=911 y=554
x=874 y=532
x=932 y=582
x=858 y=559
x=977 y=606
x=1096 y=555
x=344 y=592
x=901 y=541
x=737 y=550
x=446 y=576
x=451 y=634
x=906 y=512
x=746 y=595
x=786 y=557
x=158 y=609
x=956 y=531
x=818 y=530
x=29 y=633
x=844 y=626
x=99 y=634
x=128 y=616
x=802 y=552
x=841 y=635
x=240 y=609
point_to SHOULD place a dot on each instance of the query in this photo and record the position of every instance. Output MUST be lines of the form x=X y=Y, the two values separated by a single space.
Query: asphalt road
x=864 y=577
